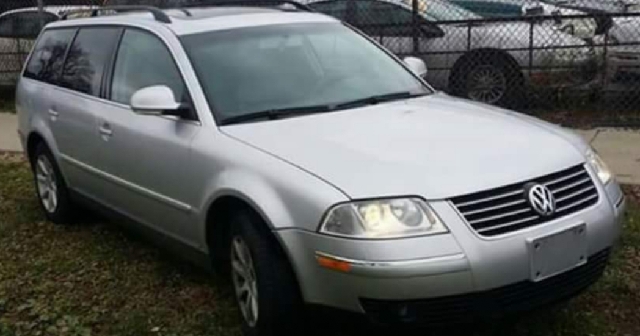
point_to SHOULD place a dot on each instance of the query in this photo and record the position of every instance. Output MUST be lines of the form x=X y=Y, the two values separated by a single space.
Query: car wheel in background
x=489 y=80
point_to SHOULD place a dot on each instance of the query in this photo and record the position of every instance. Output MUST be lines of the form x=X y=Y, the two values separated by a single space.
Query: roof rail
x=158 y=14
x=252 y=3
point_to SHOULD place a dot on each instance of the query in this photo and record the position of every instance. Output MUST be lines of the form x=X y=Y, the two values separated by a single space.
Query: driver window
x=143 y=60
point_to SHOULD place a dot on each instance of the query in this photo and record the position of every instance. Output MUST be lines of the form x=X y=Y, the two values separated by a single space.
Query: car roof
x=204 y=18
x=57 y=10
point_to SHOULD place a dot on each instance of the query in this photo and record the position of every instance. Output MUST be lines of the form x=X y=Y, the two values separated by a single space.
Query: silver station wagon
x=312 y=166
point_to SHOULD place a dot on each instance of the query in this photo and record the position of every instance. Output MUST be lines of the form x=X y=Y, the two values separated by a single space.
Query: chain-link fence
x=575 y=62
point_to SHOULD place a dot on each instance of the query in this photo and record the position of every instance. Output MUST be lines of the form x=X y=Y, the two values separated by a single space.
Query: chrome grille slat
x=497 y=207
x=512 y=213
x=584 y=200
x=465 y=204
x=505 y=209
x=564 y=178
x=569 y=186
x=574 y=194
x=495 y=227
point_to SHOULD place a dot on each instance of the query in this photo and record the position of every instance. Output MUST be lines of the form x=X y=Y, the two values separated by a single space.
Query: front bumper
x=387 y=275
x=623 y=66
x=583 y=74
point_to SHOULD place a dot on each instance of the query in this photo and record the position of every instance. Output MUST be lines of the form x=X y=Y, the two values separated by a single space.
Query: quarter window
x=48 y=55
x=143 y=60
x=87 y=59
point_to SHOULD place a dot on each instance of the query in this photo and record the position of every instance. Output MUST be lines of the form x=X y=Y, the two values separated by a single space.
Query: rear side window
x=87 y=59
x=143 y=60
x=47 y=58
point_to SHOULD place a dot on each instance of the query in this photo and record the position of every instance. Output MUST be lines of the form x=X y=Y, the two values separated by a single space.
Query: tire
x=278 y=304
x=499 y=73
x=51 y=189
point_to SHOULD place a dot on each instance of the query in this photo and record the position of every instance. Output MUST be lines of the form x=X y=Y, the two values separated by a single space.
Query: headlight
x=601 y=168
x=380 y=219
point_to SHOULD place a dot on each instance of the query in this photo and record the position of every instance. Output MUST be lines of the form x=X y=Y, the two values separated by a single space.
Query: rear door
x=75 y=101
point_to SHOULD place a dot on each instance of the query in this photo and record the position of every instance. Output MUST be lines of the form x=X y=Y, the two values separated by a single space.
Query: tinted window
x=24 y=24
x=382 y=13
x=384 y=19
x=337 y=9
x=87 y=59
x=48 y=55
x=143 y=60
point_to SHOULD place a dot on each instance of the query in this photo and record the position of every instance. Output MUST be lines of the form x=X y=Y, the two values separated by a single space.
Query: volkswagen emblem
x=541 y=199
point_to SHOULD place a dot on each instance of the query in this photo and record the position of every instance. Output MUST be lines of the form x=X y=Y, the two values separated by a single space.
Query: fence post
x=531 y=45
x=40 y=13
x=416 y=27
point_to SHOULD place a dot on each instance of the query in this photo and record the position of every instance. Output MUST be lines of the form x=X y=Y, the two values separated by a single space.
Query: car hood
x=436 y=147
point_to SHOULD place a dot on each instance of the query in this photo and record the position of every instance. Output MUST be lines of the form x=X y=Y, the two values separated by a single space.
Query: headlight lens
x=380 y=219
x=601 y=168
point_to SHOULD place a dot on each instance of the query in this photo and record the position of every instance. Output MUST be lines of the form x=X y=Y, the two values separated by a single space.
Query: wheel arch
x=217 y=225
x=33 y=140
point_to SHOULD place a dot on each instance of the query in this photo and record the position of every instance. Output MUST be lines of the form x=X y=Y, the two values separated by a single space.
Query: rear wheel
x=266 y=290
x=50 y=186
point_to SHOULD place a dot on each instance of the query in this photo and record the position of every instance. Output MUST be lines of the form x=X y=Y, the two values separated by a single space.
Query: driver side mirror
x=155 y=100
x=416 y=65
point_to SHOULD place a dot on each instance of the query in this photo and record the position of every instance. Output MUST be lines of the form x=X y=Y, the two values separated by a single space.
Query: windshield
x=244 y=71
x=445 y=11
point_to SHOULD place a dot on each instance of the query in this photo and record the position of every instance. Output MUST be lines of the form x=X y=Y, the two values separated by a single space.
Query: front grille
x=506 y=209
x=520 y=297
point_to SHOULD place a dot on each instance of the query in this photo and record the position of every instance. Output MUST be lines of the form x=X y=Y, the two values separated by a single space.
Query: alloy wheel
x=486 y=84
x=244 y=280
x=46 y=184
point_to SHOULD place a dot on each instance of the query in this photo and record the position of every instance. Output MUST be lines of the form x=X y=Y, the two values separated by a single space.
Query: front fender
x=254 y=191
x=40 y=126
x=285 y=195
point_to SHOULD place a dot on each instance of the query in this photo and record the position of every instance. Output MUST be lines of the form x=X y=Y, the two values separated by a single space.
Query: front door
x=147 y=157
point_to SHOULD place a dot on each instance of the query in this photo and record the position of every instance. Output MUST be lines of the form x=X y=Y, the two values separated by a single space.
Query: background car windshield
x=288 y=66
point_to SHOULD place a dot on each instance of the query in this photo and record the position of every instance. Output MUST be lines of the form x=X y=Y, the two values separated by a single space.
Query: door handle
x=53 y=114
x=105 y=130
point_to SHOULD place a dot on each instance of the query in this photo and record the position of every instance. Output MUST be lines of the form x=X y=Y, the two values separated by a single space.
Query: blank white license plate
x=558 y=252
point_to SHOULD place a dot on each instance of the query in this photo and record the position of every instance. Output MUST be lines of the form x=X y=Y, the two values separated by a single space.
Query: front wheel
x=491 y=81
x=266 y=291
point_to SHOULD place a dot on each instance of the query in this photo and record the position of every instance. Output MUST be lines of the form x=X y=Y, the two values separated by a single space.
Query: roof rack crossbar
x=255 y=3
x=158 y=14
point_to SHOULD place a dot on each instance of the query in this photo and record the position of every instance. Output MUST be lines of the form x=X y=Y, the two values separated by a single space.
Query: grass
x=98 y=279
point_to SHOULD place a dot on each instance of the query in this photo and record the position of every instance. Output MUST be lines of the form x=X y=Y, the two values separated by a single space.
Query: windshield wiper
x=273 y=114
x=372 y=100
